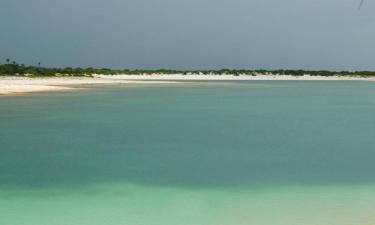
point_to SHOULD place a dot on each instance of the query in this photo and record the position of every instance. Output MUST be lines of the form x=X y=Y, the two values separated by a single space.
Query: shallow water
x=259 y=152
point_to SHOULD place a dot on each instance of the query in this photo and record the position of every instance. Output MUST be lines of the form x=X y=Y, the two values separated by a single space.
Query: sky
x=190 y=34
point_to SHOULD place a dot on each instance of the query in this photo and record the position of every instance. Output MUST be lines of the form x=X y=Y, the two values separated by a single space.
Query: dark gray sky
x=190 y=34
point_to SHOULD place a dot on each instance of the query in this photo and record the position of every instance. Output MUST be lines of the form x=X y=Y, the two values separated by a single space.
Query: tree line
x=12 y=68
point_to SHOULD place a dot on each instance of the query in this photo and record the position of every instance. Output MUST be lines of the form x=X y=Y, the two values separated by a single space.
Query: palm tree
x=8 y=60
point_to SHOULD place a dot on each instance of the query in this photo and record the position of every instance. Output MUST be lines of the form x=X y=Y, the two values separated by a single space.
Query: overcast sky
x=190 y=34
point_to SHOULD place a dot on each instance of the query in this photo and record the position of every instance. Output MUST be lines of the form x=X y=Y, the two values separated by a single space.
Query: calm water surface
x=223 y=153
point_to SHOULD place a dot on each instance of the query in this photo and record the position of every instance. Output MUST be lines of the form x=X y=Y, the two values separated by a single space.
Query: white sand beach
x=16 y=85
x=216 y=77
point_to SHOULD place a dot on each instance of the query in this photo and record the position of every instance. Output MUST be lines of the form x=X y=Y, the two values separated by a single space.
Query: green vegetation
x=12 y=68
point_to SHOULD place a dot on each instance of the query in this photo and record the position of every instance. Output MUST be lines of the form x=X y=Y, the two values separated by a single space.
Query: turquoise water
x=223 y=153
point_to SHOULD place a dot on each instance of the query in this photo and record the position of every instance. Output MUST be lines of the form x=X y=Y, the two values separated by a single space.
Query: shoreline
x=10 y=85
x=217 y=77
x=22 y=85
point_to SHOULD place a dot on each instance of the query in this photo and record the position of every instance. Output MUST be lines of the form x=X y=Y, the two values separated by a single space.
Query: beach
x=218 y=77
x=187 y=112
x=18 y=85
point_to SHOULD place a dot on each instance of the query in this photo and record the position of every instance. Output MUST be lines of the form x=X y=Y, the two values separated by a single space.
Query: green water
x=220 y=153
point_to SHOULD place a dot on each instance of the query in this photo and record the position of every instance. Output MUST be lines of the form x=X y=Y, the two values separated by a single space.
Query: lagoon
x=249 y=152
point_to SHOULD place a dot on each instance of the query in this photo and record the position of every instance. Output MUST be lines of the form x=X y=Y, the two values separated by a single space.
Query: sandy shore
x=228 y=77
x=14 y=85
